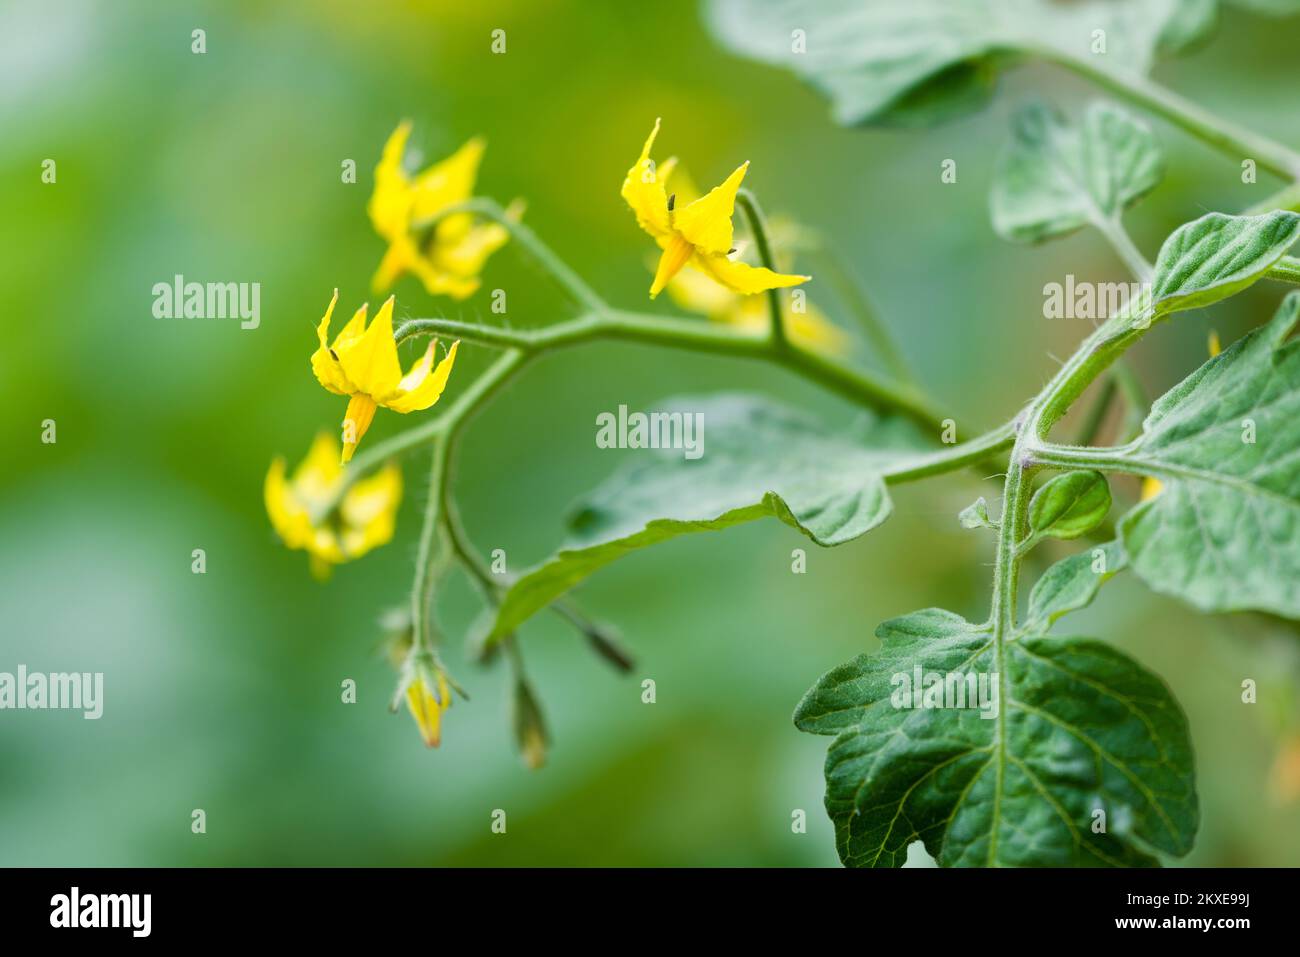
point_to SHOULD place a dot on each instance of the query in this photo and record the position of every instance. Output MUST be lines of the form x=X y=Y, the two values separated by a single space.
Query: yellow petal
x=424 y=384
x=467 y=255
x=427 y=710
x=696 y=292
x=438 y=282
x=326 y=368
x=315 y=477
x=370 y=360
x=355 y=328
x=810 y=328
x=677 y=253
x=398 y=260
x=356 y=422
x=288 y=503
x=1214 y=345
x=449 y=270
x=365 y=517
x=743 y=278
x=814 y=330
x=706 y=223
x=643 y=189
x=448 y=182
x=1151 y=487
x=288 y=516
x=369 y=511
x=390 y=203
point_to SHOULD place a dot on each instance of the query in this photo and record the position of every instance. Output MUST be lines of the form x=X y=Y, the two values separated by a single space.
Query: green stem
x=758 y=227
x=1121 y=375
x=1092 y=358
x=422 y=589
x=854 y=384
x=972 y=452
x=1126 y=249
x=1230 y=139
x=491 y=587
x=436 y=429
x=464 y=551
x=1286 y=269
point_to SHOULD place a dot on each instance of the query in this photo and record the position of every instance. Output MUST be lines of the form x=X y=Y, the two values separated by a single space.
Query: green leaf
x=760 y=459
x=1217 y=256
x=1223 y=533
x=976 y=515
x=1071 y=584
x=1069 y=505
x=916 y=62
x=1080 y=728
x=1054 y=177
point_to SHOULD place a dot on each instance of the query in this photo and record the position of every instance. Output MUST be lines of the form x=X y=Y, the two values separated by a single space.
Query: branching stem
x=1235 y=142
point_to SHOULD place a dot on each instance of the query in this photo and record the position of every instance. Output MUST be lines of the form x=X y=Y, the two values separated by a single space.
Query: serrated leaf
x=1224 y=533
x=922 y=61
x=760 y=459
x=1080 y=728
x=1069 y=505
x=1054 y=177
x=1071 y=584
x=1217 y=256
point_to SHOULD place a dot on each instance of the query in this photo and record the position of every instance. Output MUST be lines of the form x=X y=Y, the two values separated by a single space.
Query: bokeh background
x=223 y=689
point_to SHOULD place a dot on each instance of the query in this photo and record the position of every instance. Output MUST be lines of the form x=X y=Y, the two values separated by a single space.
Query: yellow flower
x=694 y=292
x=363 y=364
x=449 y=261
x=365 y=516
x=427 y=691
x=698 y=233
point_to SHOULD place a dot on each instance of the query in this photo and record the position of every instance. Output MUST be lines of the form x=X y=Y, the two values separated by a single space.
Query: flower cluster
x=434 y=232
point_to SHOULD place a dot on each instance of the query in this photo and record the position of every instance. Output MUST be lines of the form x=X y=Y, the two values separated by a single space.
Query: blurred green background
x=222 y=690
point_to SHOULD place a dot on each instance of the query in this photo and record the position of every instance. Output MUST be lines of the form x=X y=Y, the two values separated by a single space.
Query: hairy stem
x=1122 y=377
x=436 y=428
x=1235 y=142
x=854 y=384
x=758 y=227
x=1126 y=249
x=972 y=452
x=422 y=588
